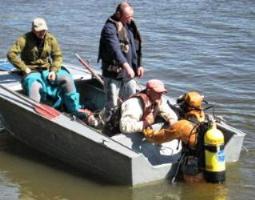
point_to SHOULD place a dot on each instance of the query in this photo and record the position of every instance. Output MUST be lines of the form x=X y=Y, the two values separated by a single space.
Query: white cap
x=39 y=24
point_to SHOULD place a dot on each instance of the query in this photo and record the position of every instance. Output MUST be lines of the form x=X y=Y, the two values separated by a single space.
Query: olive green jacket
x=25 y=53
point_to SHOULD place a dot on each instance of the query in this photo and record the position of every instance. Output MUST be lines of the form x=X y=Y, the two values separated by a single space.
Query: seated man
x=186 y=129
x=139 y=111
x=37 y=54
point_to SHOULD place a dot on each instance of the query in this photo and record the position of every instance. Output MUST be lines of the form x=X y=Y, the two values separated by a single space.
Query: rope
x=180 y=161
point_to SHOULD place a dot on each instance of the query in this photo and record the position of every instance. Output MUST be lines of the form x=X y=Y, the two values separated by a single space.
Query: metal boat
x=121 y=158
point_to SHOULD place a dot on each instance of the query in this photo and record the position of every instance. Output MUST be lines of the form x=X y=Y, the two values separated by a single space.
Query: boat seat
x=156 y=154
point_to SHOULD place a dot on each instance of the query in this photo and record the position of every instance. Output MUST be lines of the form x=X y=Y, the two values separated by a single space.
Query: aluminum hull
x=123 y=159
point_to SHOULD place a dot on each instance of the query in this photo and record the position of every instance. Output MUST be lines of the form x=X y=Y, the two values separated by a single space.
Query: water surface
x=203 y=45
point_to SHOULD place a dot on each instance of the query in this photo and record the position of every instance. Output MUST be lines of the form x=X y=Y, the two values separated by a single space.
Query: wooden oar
x=90 y=68
x=42 y=109
x=46 y=111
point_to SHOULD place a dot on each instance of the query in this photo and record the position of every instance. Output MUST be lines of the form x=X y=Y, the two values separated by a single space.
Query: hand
x=52 y=76
x=149 y=120
x=130 y=72
x=27 y=70
x=140 y=71
x=148 y=132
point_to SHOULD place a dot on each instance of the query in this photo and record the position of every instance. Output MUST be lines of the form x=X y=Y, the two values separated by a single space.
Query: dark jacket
x=111 y=47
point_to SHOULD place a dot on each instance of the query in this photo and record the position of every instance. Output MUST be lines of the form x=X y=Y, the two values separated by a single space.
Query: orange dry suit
x=185 y=129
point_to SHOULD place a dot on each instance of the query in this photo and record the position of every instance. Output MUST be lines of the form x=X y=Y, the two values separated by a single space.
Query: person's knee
x=66 y=79
x=36 y=85
x=34 y=91
x=67 y=83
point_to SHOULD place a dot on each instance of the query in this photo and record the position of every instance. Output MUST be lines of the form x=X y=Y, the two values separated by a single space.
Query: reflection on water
x=8 y=190
x=27 y=174
x=39 y=177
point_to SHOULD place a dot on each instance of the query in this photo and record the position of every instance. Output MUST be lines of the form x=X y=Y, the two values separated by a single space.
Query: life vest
x=122 y=34
x=124 y=43
x=148 y=107
x=111 y=127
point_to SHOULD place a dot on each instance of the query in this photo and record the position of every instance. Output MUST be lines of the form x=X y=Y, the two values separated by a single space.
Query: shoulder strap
x=122 y=32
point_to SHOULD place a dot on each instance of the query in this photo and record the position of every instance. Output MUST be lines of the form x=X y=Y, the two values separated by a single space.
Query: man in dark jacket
x=120 y=52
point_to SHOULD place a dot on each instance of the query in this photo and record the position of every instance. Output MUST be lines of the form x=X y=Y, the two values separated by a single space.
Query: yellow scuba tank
x=214 y=155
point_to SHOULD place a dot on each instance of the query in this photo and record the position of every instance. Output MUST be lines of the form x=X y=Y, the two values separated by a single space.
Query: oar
x=90 y=68
x=42 y=109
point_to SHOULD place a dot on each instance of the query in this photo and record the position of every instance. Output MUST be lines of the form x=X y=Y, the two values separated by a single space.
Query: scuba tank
x=214 y=154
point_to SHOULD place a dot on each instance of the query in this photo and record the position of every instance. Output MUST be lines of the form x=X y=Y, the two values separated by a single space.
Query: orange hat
x=156 y=85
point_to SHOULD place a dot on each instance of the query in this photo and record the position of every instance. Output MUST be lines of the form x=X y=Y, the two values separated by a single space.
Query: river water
x=203 y=45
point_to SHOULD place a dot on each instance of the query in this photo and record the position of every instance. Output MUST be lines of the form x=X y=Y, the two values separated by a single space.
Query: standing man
x=120 y=52
x=38 y=56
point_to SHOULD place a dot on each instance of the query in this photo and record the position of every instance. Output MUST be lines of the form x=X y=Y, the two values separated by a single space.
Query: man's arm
x=14 y=52
x=111 y=40
x=131 y=114
x=167 y=113
x=56 y=55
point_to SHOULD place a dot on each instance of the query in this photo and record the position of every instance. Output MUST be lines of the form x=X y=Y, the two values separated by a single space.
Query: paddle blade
x=46 y=111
